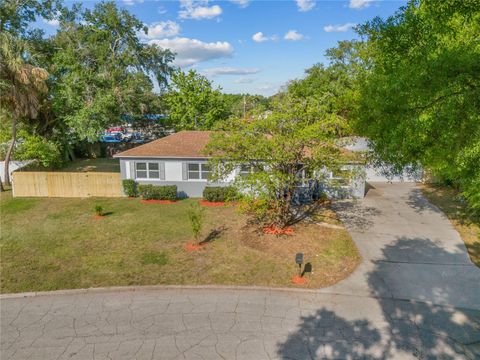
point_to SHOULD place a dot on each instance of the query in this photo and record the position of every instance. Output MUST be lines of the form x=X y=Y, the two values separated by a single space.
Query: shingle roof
x=184 y=144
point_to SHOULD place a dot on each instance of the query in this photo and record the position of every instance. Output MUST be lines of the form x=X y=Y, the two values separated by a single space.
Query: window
x=199 y=171
x=141 y=170
x=206 y=171
x=153 y=171
x=248 y=169
x=245 y=170
x=147 y=170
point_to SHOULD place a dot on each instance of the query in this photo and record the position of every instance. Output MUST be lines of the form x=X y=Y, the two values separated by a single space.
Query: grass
x=448 y=200
x=154 y=257
x=49 y=244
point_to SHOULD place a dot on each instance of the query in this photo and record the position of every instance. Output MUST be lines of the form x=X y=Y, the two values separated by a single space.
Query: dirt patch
x=158 y=201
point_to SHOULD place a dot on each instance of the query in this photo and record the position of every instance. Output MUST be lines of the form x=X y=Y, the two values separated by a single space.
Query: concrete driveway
x=415 y=296
x=410 y=250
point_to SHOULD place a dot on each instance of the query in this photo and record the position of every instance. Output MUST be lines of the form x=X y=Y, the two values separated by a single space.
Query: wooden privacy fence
x=66 y=184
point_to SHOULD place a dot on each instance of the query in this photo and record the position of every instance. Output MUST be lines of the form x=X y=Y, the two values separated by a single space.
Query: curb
x=321 y=291
x=153 y=287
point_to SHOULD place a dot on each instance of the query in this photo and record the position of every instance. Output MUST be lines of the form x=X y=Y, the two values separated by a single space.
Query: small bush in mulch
x=154 y=192
x=219 y=193
x=98 y=209
x=274 y=230
x=196 y=216
x=130 y=188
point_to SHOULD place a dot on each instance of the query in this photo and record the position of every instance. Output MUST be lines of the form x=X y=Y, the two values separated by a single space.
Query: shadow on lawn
x=306 y=212
x=213 y=235
x=408 y=328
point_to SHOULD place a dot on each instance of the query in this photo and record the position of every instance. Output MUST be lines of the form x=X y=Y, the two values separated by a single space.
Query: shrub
x=98 y=210
x=130 y=188
x=195 y=215
x=219 y=193
x=153 y=192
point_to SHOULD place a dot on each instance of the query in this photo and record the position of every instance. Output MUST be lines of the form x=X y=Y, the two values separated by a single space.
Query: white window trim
x=147 y=170
x=199 y=171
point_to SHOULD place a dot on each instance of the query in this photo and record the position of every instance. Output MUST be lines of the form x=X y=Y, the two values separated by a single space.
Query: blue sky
x=251 y=46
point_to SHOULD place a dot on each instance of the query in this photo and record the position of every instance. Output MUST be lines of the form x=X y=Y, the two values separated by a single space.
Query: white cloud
x=162 y=30
x=241 y=3
x=339 y=28
x=53 y=22
x=230 y=71
x=359 y=4
x=197 y=10
x=293 y=35
x=244 y=80
x=161 y=10
x=305 y=5
x=192 y=51
x=132 y=2
x=260 y=37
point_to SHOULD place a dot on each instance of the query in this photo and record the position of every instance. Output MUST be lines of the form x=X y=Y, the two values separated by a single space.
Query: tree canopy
x=103 y=70
x=193 y=103
x=96 y=69
x=291 y=144
x=419 y=97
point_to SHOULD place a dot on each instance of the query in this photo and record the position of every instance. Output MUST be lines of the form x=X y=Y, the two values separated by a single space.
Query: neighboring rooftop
x=184 y=144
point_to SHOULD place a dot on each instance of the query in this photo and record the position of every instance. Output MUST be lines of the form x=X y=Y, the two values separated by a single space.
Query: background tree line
x=60 y=92
x=410 y=83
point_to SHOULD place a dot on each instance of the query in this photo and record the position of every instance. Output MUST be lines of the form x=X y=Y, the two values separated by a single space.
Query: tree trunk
x=285 y=213
x=1 y=185
x=8 y=156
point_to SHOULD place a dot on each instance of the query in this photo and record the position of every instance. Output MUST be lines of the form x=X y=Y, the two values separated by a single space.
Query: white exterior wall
x=173 y=170
x=195 y=187
x=173 y=175
x=377 y=174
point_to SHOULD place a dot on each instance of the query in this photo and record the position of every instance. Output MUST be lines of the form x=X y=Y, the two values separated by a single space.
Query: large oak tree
x=420 y=94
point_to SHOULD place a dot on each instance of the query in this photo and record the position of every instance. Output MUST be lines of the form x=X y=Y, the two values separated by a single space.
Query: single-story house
x=374 y=173
x=178 y=159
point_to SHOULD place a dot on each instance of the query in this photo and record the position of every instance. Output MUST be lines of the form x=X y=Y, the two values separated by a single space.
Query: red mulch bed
x=158 y=201
x=193 y=247
x=98 y=217
x=299 y=280
x=211 y=203
x=273 y=230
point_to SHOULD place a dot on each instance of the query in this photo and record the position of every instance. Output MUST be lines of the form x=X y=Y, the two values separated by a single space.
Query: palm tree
x=21 y=86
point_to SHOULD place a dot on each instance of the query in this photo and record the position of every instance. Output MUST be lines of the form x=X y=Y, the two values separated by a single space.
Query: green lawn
x=468 y=227
x=49 y=244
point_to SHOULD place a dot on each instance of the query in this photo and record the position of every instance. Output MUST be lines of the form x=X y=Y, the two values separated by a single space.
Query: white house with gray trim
x=178 y=159
x=173 y=160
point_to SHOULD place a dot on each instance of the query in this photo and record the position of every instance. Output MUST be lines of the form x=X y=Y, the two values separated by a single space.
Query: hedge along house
x=178 y=159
